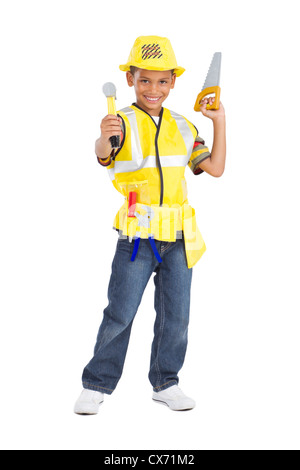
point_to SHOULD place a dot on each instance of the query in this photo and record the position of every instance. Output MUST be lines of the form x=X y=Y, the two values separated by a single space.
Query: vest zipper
x=158 y=159
x=157 y=151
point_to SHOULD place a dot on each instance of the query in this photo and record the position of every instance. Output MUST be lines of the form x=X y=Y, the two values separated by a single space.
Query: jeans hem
x=97 y=388
x=169 y=384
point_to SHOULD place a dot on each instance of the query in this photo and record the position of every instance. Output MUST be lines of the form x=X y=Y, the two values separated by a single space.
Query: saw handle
x=208 y=91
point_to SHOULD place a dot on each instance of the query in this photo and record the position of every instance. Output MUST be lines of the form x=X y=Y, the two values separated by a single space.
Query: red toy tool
x=131 y=204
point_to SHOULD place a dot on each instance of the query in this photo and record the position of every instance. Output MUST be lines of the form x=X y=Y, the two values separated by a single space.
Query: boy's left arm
x=215 y=165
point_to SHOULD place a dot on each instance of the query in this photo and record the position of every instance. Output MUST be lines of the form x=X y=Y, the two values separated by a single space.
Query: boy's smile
x=152 y=88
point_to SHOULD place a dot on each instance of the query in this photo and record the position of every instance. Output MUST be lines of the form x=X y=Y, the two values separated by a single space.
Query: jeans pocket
x=165 y=246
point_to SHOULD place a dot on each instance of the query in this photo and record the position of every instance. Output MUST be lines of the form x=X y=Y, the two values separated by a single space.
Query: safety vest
x=151 y=163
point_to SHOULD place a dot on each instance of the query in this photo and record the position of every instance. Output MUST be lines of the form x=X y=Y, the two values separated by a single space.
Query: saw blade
x=214 y=72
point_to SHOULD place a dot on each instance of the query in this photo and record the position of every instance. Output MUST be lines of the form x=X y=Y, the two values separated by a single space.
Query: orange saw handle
x=208 y=91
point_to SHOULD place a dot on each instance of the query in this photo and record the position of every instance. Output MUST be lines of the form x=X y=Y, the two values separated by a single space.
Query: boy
x=157 y=228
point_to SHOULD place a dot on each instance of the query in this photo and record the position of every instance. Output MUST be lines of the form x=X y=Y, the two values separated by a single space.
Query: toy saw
x=212 y=83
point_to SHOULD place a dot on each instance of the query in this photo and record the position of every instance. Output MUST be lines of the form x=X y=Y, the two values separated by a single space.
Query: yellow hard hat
x=152 y=53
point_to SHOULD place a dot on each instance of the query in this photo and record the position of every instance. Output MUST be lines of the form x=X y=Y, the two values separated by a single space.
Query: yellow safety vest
x=151 y=163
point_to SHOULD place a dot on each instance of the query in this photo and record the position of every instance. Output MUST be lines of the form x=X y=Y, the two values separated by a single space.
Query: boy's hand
x=110 y=125
x=213 y=114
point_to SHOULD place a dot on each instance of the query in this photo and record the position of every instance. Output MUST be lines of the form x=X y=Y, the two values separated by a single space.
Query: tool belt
x=164 y=224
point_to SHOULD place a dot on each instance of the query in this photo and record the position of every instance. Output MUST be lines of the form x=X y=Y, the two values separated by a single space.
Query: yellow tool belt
x=163 y=223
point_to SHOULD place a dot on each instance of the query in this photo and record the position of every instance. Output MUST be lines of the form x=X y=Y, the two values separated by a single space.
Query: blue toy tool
x=144 y=221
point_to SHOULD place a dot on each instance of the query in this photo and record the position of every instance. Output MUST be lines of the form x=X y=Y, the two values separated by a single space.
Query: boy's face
x=151 y=88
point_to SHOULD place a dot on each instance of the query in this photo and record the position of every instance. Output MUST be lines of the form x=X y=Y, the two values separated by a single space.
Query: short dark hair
x=134 y=69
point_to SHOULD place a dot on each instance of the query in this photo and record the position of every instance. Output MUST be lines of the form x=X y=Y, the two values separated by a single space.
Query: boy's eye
x=162 y=82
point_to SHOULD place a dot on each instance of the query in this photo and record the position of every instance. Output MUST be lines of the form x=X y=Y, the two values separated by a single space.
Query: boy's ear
x=173 y=80
x=129 y=77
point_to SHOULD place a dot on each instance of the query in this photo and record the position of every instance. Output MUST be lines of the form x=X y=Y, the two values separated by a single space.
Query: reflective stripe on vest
x=185 y=132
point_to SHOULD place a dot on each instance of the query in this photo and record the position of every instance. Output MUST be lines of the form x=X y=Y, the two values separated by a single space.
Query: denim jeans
x=172 y=304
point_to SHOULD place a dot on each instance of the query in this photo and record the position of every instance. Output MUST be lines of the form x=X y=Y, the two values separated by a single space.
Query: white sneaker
x=89 y=402
x=174 y=398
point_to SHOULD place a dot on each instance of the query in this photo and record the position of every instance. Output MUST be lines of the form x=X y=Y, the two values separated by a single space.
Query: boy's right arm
x=110 y=125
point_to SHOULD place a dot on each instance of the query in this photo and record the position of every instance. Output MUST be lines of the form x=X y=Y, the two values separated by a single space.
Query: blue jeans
x=172 y=304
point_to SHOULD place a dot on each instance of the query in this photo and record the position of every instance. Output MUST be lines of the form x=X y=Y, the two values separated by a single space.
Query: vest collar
x=160 y=114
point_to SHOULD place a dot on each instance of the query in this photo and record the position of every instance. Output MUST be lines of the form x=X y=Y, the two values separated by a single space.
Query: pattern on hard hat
x=151 y=51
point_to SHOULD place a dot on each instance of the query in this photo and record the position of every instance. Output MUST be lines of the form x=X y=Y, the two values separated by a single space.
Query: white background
x=57 y=209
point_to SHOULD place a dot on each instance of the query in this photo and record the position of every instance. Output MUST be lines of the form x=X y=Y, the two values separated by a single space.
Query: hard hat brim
x=177 y=70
